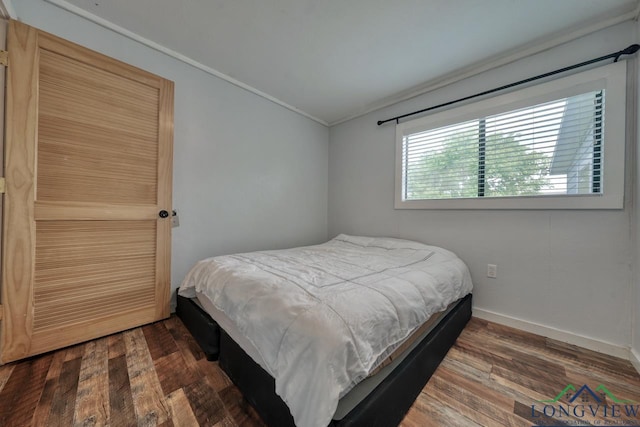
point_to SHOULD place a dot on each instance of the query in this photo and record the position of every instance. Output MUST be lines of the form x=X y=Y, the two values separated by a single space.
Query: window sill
x=591 y=201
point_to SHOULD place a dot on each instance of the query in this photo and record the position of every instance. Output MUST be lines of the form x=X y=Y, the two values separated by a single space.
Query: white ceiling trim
x=497 y=61
x=7 y=10
x=153 y=45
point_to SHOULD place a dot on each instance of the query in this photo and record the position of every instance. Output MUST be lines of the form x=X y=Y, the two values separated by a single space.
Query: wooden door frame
x=19 y=126
x=3 y=45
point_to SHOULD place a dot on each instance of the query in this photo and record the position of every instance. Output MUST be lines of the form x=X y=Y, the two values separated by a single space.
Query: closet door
x=88 y=159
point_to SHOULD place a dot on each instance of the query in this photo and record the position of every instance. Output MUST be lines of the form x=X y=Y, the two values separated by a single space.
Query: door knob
x=163 y=214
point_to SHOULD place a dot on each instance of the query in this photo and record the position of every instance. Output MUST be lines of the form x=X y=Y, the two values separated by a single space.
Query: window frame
x=611 y=78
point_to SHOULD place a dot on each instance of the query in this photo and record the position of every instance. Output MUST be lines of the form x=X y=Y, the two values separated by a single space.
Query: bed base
x=385 y=406
x=203 y=328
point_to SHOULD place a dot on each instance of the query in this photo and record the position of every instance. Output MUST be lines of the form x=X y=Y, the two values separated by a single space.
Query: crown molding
x=172 y=53
x=7 y=11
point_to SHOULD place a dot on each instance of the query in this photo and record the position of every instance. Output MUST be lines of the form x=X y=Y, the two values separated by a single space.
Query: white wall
x=248 y=174
x=566 y=270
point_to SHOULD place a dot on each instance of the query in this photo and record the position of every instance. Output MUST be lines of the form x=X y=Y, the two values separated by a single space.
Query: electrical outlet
x=492 y=271
x=175 y=219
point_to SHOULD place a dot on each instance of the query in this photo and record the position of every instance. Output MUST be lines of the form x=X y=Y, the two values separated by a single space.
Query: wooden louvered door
x=88 y=159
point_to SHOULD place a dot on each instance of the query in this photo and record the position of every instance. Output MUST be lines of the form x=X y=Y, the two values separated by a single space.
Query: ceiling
x=334 y=59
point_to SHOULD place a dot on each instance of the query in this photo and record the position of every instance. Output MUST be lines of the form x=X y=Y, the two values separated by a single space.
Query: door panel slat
x=71 y=73
x=95 y=167
x=90 y=309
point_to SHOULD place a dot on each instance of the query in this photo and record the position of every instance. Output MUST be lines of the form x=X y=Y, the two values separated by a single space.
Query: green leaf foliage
x=511 y=169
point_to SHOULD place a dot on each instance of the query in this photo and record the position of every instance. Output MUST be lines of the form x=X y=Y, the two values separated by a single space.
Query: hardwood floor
x=157 y=375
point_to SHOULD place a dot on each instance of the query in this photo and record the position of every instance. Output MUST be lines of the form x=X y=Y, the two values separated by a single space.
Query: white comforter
x=322 y=317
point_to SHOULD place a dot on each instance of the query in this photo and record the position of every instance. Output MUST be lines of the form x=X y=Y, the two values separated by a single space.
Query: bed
x=343 y=333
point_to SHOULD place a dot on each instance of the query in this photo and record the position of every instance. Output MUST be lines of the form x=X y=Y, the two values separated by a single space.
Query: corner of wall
x=634 y=358
x=634 y=355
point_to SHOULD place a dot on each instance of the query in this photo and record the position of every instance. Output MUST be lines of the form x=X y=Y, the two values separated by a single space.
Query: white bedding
x=322 y=317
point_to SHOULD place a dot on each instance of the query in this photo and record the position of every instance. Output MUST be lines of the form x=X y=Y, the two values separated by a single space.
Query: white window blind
x=543 y=142
x=550 y=148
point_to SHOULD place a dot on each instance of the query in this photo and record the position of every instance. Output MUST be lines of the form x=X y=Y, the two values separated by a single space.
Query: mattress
x=362 y=389
x=320 y=319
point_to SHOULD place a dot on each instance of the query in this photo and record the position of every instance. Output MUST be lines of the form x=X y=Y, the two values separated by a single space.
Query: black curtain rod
x=628 y=51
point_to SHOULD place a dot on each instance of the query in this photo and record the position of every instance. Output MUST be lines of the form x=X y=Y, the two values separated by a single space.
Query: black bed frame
x=385 y=406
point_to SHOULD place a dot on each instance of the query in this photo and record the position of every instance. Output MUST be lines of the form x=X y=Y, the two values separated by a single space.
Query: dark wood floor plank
x=180 y=410
x=498 y=417
x=64 y=398
x=216 y=376
x=596 y=360
x=429 y=413
x=507 y=334
x=22 y=391
x=74 y=352
x=563 y=354
x=529 y=383
x=192 y=355
x=465 y=359
x=148 y=398
x=159 y=340
x=239 y=409
x=484 y=354
x=184 y=339
x=521 y=359
x=121 y=406
x=43 y=409
x=465 y=401
x=41 y=414
x=226 y=422
x=93 y=386
x=116 y=346
x=172 y=379
x=5 y=373
x=59 y=357
x=205 y=402
x=515 y=390
x=500 y=400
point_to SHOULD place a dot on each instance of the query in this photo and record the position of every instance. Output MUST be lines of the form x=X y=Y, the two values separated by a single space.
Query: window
x=557 y=145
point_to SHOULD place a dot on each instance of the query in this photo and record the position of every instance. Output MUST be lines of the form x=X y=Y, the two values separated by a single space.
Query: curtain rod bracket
x=628 y=51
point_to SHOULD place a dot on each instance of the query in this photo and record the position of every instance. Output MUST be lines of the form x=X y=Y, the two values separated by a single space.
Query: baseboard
x=557 y=334
x=634 y=358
